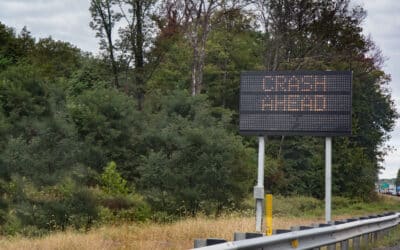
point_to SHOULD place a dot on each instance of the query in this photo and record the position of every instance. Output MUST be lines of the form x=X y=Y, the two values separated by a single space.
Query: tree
x=233 y=46
x=41 y=134
x=174 y=64
x=303 y=32
x=398 y=178
x=196 y=17
x=198 y=25
x=189 y=152
x=134 y=38
x=13 y=48
x=40 y=171
x=54 y=59
x=112 y=182
x=196 y=22
x=109 y=126
x=326 y=35
x=104 y=19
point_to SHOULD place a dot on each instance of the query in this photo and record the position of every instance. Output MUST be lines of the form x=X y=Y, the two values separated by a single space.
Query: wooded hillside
x=148 y=129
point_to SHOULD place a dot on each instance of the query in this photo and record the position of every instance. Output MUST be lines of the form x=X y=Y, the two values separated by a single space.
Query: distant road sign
x=296 y=103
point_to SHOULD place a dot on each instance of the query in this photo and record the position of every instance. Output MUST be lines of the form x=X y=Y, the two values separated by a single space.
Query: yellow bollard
x=268 y=214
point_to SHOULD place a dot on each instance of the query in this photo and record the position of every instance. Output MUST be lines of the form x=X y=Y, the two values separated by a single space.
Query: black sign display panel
x=295 y=103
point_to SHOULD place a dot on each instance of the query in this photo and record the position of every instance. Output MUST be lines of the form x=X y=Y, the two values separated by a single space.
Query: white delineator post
x=259 y=189
x=328 y=178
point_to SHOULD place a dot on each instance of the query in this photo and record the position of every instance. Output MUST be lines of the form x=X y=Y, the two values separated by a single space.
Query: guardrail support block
x=242 y=236
x=280 y=231
x=200 y=243
x=207 y=242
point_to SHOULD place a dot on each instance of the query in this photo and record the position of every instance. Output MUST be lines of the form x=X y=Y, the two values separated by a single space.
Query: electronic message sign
x=295 y=103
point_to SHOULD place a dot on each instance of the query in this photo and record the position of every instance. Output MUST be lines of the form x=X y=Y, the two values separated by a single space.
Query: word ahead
x=296 y=102
x=277 y=97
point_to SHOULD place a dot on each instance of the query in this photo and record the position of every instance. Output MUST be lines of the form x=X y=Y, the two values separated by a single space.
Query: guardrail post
x=374 y=236
x=378 y=235
x=333 y=246
x=386 y=232
x=356 y=243
x=364 y=240
x=315 y=226
x=295 y=242
x=344 y=245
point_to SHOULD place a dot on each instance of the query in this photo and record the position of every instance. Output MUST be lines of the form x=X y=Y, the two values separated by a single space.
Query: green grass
x=302 y=206
x=288 y=211
x=392 y=240
x=355 y=207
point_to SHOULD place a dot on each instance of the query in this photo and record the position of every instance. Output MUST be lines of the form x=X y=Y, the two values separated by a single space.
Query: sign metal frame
x=305 y=116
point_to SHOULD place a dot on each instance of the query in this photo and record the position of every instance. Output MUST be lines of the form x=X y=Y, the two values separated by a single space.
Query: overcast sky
x=68 y=20
x=383 y=24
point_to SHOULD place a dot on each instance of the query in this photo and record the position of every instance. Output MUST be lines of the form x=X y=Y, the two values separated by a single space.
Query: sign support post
x=328 y=178
x=311 y=103
x=259 y=189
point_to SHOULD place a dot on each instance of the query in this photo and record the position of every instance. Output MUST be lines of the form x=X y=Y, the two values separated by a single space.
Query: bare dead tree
x=197 y=15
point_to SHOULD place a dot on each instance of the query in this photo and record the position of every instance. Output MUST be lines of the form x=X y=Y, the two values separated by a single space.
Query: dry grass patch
x=178 y=235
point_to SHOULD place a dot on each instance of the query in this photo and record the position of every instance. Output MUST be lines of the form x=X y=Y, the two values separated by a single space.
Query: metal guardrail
x=360 y=231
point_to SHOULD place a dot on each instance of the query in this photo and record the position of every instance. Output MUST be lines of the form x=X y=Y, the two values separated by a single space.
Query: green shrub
x=339 y=202
x=121 y=208
x=12 y=225
x=117 y=202
x=192 y=159
x=296 y=206
x=34 y=211
x=112 y=181
x=164 y=217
